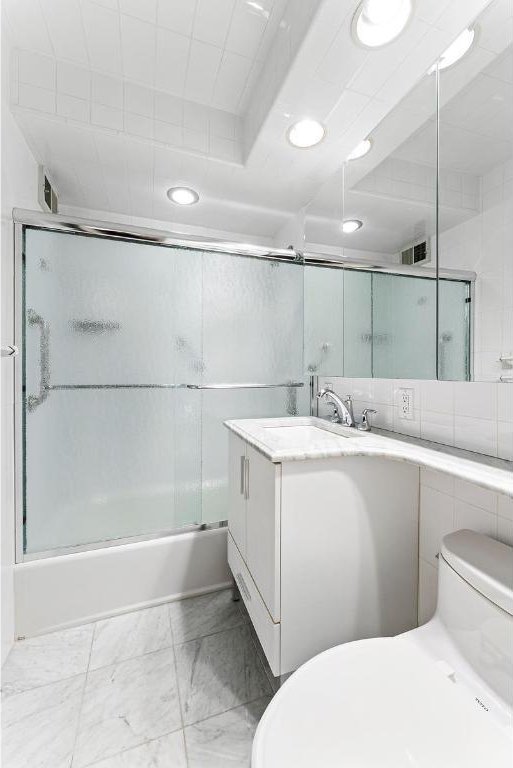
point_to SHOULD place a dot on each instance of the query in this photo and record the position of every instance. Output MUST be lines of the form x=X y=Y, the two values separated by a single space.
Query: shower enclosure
x=134 y=353
x=137 y=347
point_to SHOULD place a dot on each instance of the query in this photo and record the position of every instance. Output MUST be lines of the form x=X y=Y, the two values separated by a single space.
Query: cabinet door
x=263 y=527
x=236 y=495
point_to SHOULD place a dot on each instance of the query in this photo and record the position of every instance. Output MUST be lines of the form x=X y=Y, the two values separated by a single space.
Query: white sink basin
x=300 y=436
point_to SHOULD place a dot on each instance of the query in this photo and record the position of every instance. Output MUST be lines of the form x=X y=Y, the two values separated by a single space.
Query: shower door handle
x=246 y=479
x=242 y=476
x=44 y=360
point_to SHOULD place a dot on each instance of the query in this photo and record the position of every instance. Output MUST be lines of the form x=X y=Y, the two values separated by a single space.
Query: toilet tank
x=475 y=604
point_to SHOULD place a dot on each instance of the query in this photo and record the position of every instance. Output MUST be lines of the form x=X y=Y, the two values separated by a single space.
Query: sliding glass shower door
x=134 y=354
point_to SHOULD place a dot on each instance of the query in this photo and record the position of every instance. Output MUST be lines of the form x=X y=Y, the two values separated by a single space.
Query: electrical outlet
x=406 y=403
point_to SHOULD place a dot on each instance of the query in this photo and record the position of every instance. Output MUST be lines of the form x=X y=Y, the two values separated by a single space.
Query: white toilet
x=440 y=696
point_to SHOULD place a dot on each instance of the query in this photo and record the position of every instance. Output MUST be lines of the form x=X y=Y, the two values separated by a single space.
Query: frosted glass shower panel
x=358 y=340
x=324 y=321
x=252 y=320
x=404 y=327
x=112 y=331
x=117 y=312
x=454 y=330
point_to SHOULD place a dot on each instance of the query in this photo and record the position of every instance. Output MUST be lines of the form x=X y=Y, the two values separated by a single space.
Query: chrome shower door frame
x=25 y=219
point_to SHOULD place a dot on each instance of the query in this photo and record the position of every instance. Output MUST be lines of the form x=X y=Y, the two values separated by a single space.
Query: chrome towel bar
x=245 y=386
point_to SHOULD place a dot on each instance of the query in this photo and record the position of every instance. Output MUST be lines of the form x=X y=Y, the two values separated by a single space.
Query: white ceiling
x=122 y=99
x=393 y=189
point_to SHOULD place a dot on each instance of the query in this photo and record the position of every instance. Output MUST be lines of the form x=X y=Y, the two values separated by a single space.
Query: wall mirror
x=387 y=302
x=476 y=200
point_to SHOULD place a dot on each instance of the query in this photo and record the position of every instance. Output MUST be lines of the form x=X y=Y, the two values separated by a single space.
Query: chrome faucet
x=343 y=413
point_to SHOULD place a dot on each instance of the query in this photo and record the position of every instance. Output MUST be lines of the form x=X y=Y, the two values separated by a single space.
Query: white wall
x=19 y=188
x=484 y=244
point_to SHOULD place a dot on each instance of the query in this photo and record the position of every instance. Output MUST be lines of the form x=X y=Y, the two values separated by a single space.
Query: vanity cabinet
x=324 y=551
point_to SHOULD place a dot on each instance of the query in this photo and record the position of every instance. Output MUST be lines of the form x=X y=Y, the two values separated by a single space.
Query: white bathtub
x=64 y=591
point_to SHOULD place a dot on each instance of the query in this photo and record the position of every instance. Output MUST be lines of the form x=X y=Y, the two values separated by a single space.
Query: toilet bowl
x=440 y=696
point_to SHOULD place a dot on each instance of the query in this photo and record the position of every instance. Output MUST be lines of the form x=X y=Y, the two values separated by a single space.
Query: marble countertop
x=266 y=436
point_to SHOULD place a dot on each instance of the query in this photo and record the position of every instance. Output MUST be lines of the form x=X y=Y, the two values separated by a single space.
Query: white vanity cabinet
x=324 y=551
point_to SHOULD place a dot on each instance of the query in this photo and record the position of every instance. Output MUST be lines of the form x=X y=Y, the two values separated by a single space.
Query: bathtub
x=64 y=591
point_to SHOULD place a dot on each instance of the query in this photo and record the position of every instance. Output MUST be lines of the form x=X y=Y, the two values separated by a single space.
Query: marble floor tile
x=166 y=752
x=127 y=704
x=219 y=672
x=39 y=725
x=205 y=615
x=47 y=659
x=129 y=635
x=225 y=741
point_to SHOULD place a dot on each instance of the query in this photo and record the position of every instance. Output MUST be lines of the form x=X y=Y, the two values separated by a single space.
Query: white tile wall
x=483 y=244
x=447 y=505
x=476 y=416
x=71 y=92
x=19 y=189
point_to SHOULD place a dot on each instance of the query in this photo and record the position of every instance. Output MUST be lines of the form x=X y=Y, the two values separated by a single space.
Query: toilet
x=440 y=696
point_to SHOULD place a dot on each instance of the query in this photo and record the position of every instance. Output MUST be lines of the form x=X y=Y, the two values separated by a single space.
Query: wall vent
x=416 y=253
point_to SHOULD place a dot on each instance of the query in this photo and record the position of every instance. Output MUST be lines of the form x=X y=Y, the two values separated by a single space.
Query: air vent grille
x=417 y=253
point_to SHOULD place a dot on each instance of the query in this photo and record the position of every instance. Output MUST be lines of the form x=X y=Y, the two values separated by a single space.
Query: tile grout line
x=77 y=729
x=134 y=746
x=178 y=695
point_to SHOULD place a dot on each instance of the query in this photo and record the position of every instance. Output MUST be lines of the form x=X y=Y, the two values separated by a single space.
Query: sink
x=300 y=435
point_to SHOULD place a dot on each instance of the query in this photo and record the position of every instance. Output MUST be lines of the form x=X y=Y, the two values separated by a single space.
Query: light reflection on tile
x=39 y=725
x=47 y=659
x=205 y=615
x=130 y=635
x=166 y=752
x=127 y=704
x=225 y=741
x=219 y=672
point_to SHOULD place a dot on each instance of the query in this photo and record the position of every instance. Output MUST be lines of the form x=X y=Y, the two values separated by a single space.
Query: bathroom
x=257 y=383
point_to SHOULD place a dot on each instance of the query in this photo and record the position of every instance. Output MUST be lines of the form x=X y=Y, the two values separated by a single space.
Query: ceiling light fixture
x=306 y=133
x=455 y=51
x=378 y=22
x=183 y=195
x=360 y=150
x=351 y=225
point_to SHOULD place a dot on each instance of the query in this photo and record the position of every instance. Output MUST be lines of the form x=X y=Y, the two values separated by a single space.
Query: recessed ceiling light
x=455 y=51
x=378 y=22
x=183 y=195
x=351 y=225
x=360 y=150
x=306 y=133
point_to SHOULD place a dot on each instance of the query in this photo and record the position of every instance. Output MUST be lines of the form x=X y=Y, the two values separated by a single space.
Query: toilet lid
x=379 y=704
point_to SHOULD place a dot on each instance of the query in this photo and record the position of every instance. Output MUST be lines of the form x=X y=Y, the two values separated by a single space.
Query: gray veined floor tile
x=225 y=741
x=166 y=752
x=129 y=635
x=219 y=672
x=39 y=726
x=47 y=659
x=199 y=616
x=127 y=704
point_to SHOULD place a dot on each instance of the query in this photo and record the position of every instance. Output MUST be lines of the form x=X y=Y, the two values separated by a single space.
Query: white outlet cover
x=406 y=404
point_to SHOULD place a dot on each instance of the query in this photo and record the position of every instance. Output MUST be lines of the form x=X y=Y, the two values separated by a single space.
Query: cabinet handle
x=242 y=472
x=246 y=480
x=243 y=587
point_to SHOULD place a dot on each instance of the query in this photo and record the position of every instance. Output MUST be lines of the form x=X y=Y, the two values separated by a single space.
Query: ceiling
x=122 y=99
x=393 y=189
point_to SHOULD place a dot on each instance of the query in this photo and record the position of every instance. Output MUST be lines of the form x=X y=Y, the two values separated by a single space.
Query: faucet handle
x=364 y=425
